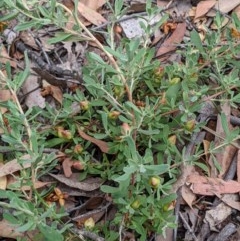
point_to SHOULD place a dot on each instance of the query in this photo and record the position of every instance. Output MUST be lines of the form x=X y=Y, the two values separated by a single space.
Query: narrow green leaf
x=195 y=39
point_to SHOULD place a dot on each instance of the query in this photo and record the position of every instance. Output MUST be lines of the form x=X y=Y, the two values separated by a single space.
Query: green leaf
x=158 y=169
x=32 y=23
x=108 y=189
x=172 y=92
x=195 y=39
x=27 y=226
x=9 y=16
x=149 y=132
x=224 y=123
x=116 y=54
x=118 y=5
x=55 y=141
x=10 y=218
x=203 y=167
x=59 y=37
x=49 y=233
x=96 y=57
x=132 y=106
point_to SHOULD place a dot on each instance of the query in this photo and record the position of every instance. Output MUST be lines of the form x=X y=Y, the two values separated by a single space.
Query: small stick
x=188 y=227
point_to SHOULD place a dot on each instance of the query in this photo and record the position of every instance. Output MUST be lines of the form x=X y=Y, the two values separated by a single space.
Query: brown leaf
x=226 y=6
x=188 y=195
x=3 y=180
x=169 y=45
x=4 y=57
x=217 y=214
x=225 y=156
x=28 y=39
x=14 y=166
x=69 y=4
x=93 y=4
x=238 y=166
x=203 y=7
x=91 y=15
x=230 y=200
x=33 y=98
x=101 y=144
x=210 y=186
x=67 y=167
x=5 y=95
x=76 y=184
x=7 y=230
x=93 y=203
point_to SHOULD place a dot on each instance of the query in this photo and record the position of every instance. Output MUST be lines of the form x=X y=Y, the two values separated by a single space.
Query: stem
x=26 y=124
x=100 y=46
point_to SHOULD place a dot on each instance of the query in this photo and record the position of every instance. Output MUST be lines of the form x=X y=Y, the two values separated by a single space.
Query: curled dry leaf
x=54 y=91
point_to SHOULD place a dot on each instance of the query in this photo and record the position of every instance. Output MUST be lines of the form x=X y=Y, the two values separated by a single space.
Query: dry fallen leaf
x=225 y=156
x=4 y=57
x=14 y=166
x=76 y=184
x=230 y=200
x=93 y=4
x=217 y=214
x=223 y=6
x=101 y=144
x=28 y=39
x=171 y=43
x=67 y=167
x=187 y=195
x=33 y=98
x=91 y=15
x=5 y=95
x=210 y=186
x=54 y=91
x=203 y=7
x=3 y=180
x=7 y=230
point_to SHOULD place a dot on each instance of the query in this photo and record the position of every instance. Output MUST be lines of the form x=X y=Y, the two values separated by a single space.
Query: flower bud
x=172 y=139
x=84 y=105
x=78 y=149
x=113 y=115
x=155 y=182
x=136 y=204
x=190 y=125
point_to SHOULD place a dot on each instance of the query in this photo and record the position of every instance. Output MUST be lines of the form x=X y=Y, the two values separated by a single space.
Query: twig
x=100 y=46
x=188 y=227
